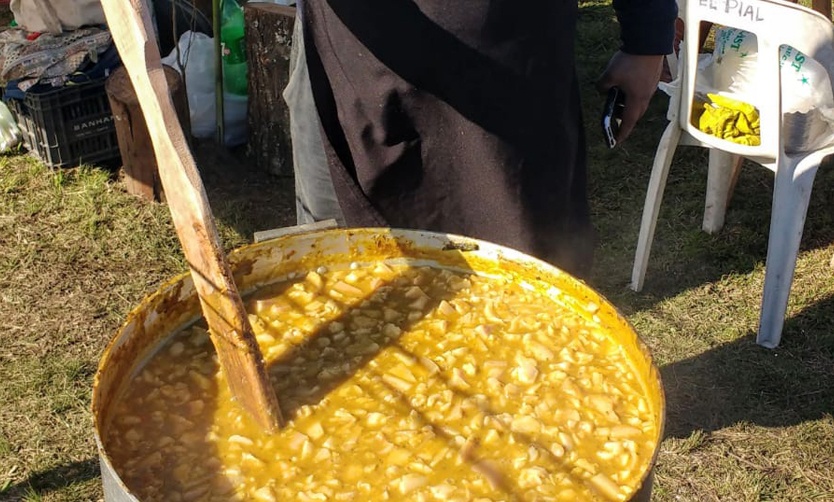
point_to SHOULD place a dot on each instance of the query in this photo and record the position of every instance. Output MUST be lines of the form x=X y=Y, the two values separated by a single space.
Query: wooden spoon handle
x=237 y=349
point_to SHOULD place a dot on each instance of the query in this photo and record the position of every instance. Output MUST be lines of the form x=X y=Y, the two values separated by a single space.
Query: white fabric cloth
x=315 y=198
x=55 y=16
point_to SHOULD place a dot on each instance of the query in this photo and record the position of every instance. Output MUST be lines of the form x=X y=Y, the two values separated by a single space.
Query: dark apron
x=459 y=116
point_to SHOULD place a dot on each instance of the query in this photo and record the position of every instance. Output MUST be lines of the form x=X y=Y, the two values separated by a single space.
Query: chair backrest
x=775 y=23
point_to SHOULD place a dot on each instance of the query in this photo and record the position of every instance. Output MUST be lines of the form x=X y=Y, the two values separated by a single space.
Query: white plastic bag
x=807 y=100
x=10 y=135
x=197 y=54
x=702 y=85
x=805 y=83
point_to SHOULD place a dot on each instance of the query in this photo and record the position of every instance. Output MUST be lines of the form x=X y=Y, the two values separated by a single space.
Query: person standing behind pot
x=464 y=117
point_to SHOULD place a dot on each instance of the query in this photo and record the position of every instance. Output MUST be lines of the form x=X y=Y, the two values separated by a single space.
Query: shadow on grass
x=242 y=196
x=685 y=257
x=743 y=382
x=54 y=479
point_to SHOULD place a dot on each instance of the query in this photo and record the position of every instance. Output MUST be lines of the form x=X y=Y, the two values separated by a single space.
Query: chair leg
x=791 y=194
x=654 y=195
x=724 y=169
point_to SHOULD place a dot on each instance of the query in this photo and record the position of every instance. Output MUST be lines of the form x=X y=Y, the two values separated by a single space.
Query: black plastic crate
x=68 y=126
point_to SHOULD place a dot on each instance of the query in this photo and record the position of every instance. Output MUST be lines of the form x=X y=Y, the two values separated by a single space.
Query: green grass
x=70 y=269
x=76 y=254
x=743 y=423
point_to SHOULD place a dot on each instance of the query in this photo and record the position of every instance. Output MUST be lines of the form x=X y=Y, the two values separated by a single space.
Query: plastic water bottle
x=234 y=48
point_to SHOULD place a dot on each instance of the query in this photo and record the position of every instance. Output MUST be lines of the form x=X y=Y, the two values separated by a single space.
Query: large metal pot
x=175 y=305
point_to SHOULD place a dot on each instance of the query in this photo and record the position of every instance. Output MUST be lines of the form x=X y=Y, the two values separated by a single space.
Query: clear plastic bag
x=10 y=135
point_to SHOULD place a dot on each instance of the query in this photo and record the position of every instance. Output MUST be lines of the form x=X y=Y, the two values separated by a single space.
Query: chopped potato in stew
x=397 y=383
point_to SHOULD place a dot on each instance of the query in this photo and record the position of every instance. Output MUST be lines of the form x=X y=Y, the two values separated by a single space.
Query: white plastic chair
x=775 y=23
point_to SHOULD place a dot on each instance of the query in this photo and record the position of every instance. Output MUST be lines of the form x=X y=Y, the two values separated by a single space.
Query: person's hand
x=637 y=76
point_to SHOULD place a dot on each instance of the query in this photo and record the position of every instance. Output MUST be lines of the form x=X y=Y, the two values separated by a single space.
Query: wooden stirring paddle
x=240 y=357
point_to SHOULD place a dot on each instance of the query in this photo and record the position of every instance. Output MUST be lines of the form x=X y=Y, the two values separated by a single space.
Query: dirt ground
x=245 y=197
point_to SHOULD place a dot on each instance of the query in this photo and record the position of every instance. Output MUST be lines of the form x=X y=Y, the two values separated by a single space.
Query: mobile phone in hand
x=612 y=115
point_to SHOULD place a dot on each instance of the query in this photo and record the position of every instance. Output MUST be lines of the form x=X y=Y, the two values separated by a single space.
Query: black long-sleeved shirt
x=646 y=26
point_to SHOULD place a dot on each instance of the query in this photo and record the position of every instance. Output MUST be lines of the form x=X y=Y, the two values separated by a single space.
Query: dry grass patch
x=76 y=253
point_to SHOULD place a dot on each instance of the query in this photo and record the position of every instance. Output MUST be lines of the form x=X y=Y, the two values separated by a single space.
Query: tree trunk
x=269 y=30
x=138 y=161
x=823 y=7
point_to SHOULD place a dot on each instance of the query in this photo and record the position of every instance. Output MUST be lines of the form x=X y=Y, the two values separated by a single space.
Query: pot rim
x=446 y=241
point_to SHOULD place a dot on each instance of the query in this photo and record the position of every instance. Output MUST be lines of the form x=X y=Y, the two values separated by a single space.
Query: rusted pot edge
x=304 y=251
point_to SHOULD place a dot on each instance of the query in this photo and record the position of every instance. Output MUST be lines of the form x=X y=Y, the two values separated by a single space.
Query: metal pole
x=218 y=73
